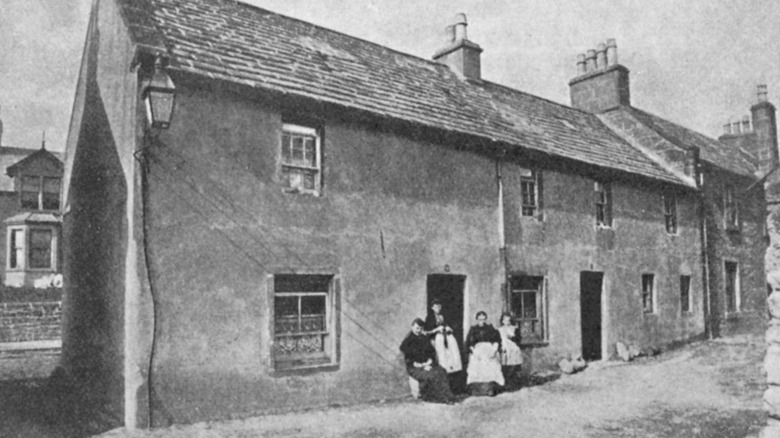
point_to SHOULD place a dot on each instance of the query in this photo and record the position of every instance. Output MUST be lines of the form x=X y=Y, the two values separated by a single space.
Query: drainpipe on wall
x=501 y=235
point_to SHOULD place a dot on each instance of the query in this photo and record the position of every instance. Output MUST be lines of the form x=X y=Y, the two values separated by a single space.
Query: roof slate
x=714 y=152
x=232 y=41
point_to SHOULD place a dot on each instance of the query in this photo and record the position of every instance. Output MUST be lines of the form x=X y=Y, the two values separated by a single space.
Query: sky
x=696 y=62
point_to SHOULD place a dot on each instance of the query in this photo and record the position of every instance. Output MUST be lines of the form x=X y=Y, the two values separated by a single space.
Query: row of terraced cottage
x=314 y=192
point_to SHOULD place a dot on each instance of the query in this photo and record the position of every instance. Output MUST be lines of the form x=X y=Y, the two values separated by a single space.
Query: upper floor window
x=730 y=208
x=670 y=213
x=603 y=191
x=648 y=291
x=527 y=301
x=529 y=189
x=40 y=192
x=301 y=159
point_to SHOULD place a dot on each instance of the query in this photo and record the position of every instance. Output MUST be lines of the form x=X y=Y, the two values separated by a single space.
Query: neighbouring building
x=314 y=192
x=30 y=212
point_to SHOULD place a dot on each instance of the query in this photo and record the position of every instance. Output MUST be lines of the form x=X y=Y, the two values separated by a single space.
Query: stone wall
x=772 y=368
x=24 y=322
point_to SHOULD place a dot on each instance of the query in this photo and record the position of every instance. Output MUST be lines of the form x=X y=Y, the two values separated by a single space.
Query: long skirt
x=485 y=365
x=511 y=354
x=433 y=384
x=449 y=355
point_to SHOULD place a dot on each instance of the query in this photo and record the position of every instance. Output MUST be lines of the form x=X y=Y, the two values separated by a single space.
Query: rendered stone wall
x=772 y=368
x=24 y=322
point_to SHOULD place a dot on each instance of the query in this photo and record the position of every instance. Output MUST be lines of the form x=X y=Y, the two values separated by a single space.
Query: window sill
x=602 y=227
x=305 y=370
x=314 y=193
x=535 y=344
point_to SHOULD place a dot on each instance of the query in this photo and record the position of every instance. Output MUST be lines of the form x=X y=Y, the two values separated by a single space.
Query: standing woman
x=484 y=370
x=511 y=356
x=444 y=342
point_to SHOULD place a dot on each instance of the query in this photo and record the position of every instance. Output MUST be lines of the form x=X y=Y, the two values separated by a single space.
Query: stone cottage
x=314 y=192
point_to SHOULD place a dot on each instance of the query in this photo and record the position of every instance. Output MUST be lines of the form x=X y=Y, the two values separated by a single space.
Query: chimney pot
x=581 y=67
x=591 y=60
x=745 y=124
x=601 y=56
x=727 y=128
x=762 y=92
x=612 y=52
x=735 y=127
x=460 y=27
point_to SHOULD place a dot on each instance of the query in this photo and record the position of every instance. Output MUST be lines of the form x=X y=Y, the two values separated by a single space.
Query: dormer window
x=40 y=192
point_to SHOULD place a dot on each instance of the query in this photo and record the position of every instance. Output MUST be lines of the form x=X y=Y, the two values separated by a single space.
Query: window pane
x=291 y=345
x=310 y=152
x=17 y=249
x=286 y=148
x=297 y=150
x=308 y=179
x=685 y=286
x=301 y=283
x=40 y=248
x=30 y=191
x=286 y=315
x=529 y=305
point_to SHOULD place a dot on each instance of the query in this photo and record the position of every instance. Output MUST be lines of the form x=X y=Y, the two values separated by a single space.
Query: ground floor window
x=648 y=292
x=732 y=286
x=31 y=248
x=304 y=329
x=685 y=293
x=527 y=303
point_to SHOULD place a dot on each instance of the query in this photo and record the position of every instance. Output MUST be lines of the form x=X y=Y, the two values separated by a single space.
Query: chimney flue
x=590 y=60
x=735 y=127
x=460 y=27
x=581 y=67
x=762 y=93
x=612 y=52
x=745 y=124
x=727 y=128
x=601 y=56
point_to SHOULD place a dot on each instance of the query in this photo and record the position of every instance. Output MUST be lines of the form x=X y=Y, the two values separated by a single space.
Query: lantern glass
x=159 y=107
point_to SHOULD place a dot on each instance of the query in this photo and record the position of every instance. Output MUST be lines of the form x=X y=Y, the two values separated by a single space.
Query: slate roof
x=8 y=157
x=232 y=41
x=712 y=151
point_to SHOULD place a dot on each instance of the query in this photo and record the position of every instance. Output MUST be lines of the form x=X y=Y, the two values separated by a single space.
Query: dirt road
x=708 y=389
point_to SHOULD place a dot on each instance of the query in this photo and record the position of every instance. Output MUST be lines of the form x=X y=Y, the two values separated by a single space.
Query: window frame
x=293 y=129
x=603 y=203
x=24 y=264
x=737 y=287
x=531 y=178
x=670 y=213
x=541 y=333
x=328 y=359
x=651 y=294
x=40 y=192
x=731 y=213
x=685 y=294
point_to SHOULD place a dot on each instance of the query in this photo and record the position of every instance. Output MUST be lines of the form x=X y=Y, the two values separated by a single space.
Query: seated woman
x=421 y=365
x=484 y=369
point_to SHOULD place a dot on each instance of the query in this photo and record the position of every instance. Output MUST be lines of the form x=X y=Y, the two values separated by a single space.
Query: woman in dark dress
x=421 y=365
x=484 y=369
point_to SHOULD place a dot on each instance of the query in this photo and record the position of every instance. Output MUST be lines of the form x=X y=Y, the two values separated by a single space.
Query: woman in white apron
x=447 y=353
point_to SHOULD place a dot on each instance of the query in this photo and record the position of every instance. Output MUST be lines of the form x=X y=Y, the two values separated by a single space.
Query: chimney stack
x=601 y=83
x=765 y=129
x=459 y=54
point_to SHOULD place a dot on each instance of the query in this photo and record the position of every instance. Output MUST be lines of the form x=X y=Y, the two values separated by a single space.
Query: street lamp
x=158 y=93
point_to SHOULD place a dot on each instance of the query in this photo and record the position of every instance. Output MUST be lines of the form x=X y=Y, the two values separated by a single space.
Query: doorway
x=590 y=314
x=449 y=290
